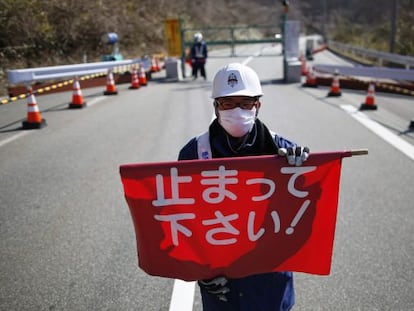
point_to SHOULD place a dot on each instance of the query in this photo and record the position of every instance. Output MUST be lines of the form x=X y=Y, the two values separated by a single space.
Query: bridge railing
x=368 y=54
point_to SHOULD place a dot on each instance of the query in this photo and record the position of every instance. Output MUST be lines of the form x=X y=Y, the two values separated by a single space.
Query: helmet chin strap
x=216 y=108
x=258 y=105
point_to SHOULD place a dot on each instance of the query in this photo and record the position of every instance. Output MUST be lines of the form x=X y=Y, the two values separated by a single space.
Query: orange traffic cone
x=34 y=118
x=310 y=79
x=303 y=68
x=142 y=76
x=110 y=84
x=134 y=79
x=77 y=98
x=335 y=89
x=155 y=67
x=369 y=103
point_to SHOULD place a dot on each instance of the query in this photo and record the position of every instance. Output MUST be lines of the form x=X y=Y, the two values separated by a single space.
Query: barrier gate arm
x=26 y=76
x=364 y=71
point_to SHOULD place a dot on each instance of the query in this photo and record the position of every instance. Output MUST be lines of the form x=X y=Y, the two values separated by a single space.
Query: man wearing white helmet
x=237 y=132
x=198 y=54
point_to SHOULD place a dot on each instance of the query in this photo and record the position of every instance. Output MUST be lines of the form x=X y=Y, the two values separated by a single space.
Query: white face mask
x=237 y=122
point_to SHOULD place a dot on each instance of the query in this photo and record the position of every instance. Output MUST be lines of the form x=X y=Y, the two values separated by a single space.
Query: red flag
x=234 y=217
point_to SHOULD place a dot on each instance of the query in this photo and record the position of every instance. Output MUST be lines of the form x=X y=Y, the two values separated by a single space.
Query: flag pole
x=358 y=152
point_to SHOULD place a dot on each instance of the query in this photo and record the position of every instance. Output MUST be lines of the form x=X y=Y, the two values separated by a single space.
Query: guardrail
x=29 y=75
x=365 y=71
x=380 y=57
x=391 y=80
x=138 y=69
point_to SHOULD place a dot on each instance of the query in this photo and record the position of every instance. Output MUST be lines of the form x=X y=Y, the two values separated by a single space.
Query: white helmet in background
x=236 y=79
x=198 y=37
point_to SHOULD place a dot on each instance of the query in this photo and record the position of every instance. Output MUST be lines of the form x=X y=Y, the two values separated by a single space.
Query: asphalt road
x=66 y=236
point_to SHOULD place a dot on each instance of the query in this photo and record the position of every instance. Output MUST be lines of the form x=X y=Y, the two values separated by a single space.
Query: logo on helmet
x=232 y=80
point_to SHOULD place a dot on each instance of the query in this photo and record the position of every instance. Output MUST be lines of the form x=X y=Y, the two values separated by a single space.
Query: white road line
x=23 y=133
x=247 y=60
x=381 y=131
x=95 y=101
x=14 y=137
x=182 y=297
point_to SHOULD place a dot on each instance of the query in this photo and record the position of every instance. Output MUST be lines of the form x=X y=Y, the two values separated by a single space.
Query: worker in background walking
x=198 y=54
x=237 y=132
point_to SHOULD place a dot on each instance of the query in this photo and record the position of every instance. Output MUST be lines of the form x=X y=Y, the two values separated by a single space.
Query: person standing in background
x=198 y=54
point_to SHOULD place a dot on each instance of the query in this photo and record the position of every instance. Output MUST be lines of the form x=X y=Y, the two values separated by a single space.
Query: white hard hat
x=236 y=79
x=198 y=37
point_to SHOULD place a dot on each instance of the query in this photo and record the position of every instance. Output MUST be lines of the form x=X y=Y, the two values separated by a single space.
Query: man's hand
x=295 y=155
x=215 y=287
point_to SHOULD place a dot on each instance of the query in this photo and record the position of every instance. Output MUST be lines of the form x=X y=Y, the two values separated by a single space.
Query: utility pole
x=324 y=18
x=394 y=18
x=285 y=4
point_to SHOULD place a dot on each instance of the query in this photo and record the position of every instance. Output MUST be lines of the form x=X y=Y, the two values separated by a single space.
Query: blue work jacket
x=262 y=292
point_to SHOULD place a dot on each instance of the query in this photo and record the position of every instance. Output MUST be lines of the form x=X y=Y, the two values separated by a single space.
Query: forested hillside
x=51 y=32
